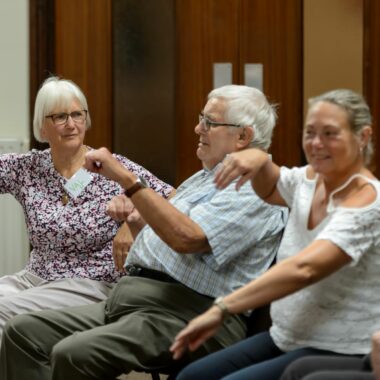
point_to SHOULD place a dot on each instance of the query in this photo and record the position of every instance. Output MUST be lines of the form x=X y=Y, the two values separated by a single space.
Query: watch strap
x=134 y=189
x=222 y=306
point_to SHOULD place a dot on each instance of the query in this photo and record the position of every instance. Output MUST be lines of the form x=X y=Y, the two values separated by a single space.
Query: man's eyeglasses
x=207 y=124
x=62 y=117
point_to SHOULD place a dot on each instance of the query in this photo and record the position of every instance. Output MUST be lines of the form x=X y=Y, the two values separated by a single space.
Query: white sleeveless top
x=341 y=312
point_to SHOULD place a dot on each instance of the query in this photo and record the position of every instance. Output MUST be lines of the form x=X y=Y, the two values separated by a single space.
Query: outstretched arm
x=251 y=165
x=317 y=261
x=175 y=228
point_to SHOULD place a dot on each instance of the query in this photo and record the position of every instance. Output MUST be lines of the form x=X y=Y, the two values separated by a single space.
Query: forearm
x=266 y=179
x=136 y=226
x=288 y=276
x=175 y=228
x=279 y=281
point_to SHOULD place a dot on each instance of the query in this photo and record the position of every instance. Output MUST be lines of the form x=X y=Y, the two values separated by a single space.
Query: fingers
x=102 y=161
x=228 y=172
x=120 y=207
x=242 y=180
x=121 y=244
x=134 y=216
x=243 y=165
x=178 y=348
x=94 y=159
x=119 y=255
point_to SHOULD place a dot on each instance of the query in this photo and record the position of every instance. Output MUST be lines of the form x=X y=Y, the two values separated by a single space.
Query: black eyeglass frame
x=54 y=115
x=207 y=124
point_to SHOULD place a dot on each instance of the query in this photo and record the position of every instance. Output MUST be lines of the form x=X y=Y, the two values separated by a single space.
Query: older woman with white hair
x=324 y=288
x=71 y=261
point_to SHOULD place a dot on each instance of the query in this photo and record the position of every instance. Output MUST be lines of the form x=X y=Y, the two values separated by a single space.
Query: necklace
x=65 y=198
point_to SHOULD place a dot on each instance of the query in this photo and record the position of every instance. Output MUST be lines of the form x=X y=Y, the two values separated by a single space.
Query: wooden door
x=239 y=32
x=72 y=39
x=206 y=31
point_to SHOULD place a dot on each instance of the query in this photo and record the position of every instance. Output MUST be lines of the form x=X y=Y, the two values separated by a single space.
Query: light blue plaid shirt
x=243 y=231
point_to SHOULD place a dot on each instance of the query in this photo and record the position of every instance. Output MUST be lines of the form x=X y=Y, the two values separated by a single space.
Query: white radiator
x=14 y=244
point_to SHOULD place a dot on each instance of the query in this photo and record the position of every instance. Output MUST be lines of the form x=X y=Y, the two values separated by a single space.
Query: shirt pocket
x=200 y=197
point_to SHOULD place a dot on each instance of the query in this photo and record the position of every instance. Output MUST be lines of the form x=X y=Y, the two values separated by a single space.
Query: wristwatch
x=138 y=185
x=222 y=306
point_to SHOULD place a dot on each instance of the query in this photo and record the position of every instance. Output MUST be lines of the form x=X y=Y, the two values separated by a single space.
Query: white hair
x=248 y=107
x=56 y=92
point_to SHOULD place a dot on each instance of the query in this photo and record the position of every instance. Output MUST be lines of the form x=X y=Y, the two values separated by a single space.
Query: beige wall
x=14 y=69
x=333 y=45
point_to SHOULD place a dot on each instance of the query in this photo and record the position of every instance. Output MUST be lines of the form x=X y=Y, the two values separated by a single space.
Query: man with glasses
x=202 y=244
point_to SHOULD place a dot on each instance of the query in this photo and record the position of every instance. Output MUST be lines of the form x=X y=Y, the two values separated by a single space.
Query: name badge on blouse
x=76 y=184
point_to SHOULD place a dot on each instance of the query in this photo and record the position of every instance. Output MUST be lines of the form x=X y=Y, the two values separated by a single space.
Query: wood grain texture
x=41 y=57
x=83 y=53
x=371 y=75
x=271 y=34
x=207 y=32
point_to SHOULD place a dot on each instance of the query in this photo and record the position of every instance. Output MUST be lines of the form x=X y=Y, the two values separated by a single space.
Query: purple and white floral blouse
x=72 y=240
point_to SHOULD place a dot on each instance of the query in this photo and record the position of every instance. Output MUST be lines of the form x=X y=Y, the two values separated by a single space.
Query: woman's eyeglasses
x=62 y=117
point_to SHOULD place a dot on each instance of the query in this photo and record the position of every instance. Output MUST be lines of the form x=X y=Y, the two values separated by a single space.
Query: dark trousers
x=328 y=368
x=132 y=330
x=255 y=358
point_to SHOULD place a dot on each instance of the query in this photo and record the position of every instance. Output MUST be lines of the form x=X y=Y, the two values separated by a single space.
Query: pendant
x=65 y=199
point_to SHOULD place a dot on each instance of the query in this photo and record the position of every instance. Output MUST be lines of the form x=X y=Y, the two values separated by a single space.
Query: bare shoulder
x=310 y=173
x=364 y=194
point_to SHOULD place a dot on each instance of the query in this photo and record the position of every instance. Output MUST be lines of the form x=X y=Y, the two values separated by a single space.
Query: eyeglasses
x=62 y=117
x=207 y=124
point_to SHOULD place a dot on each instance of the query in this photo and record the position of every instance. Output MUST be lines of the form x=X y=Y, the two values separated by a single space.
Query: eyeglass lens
x=76 y=116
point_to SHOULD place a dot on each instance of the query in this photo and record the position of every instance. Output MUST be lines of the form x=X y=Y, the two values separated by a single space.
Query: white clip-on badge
x=76 y=184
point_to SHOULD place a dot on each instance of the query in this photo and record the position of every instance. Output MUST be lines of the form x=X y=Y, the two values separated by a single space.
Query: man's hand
x=103 y=162
x=121 y=244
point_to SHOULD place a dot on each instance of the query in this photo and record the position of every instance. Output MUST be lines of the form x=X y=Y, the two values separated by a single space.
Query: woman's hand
x=197 y=332
x=121 y=209
x=120 y=247
x=244 y=164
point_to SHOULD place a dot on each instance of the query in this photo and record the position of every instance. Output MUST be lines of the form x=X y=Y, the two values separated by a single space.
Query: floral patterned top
x=72 y=240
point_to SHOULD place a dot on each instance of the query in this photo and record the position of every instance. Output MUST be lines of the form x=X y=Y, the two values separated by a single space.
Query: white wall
x=14 y=69
x=14 y=123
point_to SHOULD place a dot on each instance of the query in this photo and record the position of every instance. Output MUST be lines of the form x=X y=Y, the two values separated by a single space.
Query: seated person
x=324 y=289
x=202 y=244
x=70 y=234
x=337 y=367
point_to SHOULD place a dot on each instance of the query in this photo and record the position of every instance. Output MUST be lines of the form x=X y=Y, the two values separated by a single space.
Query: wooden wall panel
x=83 y=53
x=41 y=47
x=207 y=32
x=372 y=70
x=144 y=84
x=272 y=35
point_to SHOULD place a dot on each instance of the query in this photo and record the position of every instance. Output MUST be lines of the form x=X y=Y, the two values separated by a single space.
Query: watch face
x=143 y=182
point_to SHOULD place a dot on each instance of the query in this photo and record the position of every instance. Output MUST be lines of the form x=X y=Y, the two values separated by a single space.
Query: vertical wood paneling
x=143 y=83
x=42 y=44
x=372 y=69
x=207 y=32
x=83 y=53
x=272 y=34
